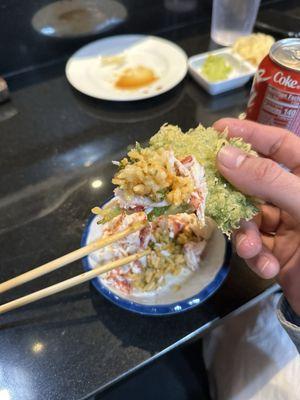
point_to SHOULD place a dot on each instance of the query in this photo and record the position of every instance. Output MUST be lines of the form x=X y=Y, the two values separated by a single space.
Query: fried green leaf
x=225 y=204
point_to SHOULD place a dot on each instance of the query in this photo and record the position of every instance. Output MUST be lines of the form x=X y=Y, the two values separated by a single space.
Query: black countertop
x=54 y=143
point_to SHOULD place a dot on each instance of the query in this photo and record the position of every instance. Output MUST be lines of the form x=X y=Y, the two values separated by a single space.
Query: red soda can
x=275 y=93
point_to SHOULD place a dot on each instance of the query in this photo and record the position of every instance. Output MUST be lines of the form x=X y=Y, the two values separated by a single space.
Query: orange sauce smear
x=134 y=78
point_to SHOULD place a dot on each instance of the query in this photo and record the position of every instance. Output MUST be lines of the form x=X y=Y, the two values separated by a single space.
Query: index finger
x=276 y=143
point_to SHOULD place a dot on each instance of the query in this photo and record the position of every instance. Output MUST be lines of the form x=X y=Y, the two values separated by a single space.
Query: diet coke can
x=275 y=94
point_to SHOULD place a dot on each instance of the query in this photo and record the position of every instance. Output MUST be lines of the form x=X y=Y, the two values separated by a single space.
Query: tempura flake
x=175 y=186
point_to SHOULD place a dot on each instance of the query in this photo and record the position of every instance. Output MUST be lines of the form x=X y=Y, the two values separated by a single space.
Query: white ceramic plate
x=85 y=71
x=195 y=287
x=65 y=18
x=241 y=73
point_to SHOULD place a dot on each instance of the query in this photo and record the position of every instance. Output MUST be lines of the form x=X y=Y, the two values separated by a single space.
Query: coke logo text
x=287 y=81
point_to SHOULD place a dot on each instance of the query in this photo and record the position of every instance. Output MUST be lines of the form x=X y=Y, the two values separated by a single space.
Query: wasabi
x=216 y=68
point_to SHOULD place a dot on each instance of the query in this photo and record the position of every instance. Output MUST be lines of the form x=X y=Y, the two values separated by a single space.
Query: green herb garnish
x=157 y=212
x=108 y=213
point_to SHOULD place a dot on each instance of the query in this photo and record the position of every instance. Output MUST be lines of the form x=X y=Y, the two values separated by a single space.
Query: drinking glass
x=232 y=19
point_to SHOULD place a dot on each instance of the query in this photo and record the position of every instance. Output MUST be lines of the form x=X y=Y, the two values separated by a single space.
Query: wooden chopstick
x=67 y=259
x=68 y=283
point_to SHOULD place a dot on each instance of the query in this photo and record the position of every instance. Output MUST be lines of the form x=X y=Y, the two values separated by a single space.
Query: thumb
x=261 y=177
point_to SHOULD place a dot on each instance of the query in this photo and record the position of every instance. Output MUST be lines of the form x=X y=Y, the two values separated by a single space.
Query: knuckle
x=266 y=171
x=283 y=136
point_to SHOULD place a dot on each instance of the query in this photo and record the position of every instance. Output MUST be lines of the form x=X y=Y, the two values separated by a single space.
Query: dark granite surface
x=54 y=142
x=22 y=47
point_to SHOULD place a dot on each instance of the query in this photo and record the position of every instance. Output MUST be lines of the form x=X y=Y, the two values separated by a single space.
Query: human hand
x=270 y=243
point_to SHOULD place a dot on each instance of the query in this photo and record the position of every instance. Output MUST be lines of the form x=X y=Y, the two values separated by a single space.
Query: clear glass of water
x=232 y=19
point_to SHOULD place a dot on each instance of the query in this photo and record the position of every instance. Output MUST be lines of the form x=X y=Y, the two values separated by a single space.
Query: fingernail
x=264 y=263
x=240 y=239
x=266 y=267
x=246 y=246
x=231 y=157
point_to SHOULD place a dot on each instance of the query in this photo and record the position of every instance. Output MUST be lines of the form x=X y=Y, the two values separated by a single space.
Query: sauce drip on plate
x=135 y=77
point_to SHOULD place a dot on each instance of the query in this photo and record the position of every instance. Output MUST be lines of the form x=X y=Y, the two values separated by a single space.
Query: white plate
x=241 y=73
x=65 y=18
x=85 y=72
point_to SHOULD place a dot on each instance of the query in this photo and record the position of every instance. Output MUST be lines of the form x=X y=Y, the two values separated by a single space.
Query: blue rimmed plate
x=196 y=288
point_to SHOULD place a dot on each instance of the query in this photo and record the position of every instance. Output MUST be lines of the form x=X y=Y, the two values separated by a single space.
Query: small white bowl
x=241 y=72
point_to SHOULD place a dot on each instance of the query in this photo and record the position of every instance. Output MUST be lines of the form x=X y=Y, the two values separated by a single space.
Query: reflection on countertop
x=55 y=165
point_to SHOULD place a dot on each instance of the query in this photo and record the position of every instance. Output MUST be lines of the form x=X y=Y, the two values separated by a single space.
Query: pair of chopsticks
x=65 y=260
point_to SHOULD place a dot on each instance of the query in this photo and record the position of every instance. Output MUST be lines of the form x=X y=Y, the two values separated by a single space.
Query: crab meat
x=129 y=245
x=198 y=196
x=173 y=225
x=192 y=253
x=122 y=284
x=145 y=236
x=136 y=202
x=188 y=166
